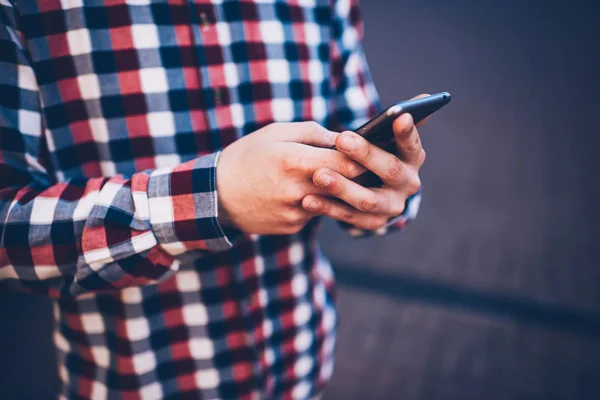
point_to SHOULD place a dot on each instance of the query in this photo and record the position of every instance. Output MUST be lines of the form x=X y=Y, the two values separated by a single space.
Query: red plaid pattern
x=112 y=116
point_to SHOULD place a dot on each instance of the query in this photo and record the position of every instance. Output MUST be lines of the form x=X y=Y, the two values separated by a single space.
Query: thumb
x=310 y=133
x=427 y=117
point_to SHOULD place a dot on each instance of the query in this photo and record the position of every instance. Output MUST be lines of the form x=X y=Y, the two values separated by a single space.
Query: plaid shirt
x=112 y=116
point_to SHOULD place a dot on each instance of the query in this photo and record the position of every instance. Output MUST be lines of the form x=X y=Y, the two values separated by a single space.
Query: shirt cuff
x=183 y=207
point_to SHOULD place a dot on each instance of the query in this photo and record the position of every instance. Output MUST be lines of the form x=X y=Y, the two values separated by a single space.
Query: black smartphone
x=379 y=130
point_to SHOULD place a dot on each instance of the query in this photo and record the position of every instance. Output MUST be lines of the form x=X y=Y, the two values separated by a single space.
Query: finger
x=339 y=211
x=385 y=165
x=308 y=159
x=310 y=133
x=408 y=142
x=307 y=188
x=357 y=196
x=336 y=161
x=424 y=120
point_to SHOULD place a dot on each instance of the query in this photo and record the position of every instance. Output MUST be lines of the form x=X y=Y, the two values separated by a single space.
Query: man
x=178 y=270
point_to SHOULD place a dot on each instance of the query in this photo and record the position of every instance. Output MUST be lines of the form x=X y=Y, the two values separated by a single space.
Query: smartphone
x=379 y=130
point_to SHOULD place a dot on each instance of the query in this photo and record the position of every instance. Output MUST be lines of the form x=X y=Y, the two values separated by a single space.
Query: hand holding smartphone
x=378 y=131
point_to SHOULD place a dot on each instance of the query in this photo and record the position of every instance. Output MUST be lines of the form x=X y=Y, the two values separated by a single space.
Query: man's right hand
x=263 y=177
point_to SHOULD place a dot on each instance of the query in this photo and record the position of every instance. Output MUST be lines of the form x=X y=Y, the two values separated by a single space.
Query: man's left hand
x=370 y=208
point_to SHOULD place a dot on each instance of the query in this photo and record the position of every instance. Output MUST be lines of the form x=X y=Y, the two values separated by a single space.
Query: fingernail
x=347 y=143
x=313 y=205
x=324 y=179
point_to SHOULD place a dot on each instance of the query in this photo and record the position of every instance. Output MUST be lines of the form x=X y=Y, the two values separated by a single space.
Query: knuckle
x=337 y=188
x=395 y=169
x=371 y=224
x=368 y=204
x=382 y=222
x=292 y=164
x=338 y=191
x=294 y=216
x=347 y=216
x=374 y=224
x=364 y=150
x=413 y=145
x=403 y=135
x=287 y=164
x=271 y=128
x=288 y=217
x=398 y=208
x=422 y=157
x=414 y=184
x=348 y=168
x=312 y=126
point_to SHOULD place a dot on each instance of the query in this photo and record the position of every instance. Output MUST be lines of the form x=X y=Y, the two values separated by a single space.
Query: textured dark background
x=494 y=292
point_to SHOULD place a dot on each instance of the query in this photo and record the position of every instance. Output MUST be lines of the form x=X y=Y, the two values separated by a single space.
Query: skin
x=289 y=175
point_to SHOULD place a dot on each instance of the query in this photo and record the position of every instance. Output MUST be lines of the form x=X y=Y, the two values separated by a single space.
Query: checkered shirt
x=112 y=116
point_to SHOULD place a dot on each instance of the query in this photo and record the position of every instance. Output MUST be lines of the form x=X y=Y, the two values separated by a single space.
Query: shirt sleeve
x=89 y=235
x=355 y=99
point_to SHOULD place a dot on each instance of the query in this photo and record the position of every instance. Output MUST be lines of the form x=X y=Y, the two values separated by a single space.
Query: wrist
x=223 y=215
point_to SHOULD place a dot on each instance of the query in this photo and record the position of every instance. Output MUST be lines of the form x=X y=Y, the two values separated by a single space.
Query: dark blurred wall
x=494 y=292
